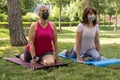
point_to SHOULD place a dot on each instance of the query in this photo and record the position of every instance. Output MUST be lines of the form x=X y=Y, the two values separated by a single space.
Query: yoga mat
x=101 y=63
x=27 y=64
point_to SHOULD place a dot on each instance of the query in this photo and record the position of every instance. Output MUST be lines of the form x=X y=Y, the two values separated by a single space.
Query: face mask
x=45 y=15
x=91 y=17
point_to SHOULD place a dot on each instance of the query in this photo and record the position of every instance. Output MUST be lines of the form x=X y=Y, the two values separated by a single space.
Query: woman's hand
x=33 y=64
x=57 y=61
x=79 y=59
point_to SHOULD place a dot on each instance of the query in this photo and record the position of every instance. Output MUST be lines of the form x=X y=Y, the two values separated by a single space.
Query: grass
x=11 y=71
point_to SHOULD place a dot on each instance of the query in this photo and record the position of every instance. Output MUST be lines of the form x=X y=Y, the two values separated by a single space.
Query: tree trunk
x=104 y=21
x=109 y=20
x=60 y=5
x=87 y=3
x=17 y=38
x=115 y=28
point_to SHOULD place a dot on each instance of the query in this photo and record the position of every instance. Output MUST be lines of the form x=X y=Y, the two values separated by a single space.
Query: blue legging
x=92 y=53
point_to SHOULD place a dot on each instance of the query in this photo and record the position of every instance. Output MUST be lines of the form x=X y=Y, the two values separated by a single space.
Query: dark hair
x=86 y=12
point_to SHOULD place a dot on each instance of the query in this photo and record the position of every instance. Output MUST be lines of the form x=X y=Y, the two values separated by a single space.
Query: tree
x=117 y=2
x=100 y=7
x=17 y=38
x=28 y=5
x=60 y=4
x=3 y=8
x=113 y=9
x=88 y=3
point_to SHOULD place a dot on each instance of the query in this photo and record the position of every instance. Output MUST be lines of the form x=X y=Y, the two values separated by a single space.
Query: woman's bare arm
x=55 y=43
x=97 y=42
x=78 y=42
x=32 y=38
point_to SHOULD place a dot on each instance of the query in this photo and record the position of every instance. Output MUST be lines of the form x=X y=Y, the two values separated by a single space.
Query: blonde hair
x=39 y=7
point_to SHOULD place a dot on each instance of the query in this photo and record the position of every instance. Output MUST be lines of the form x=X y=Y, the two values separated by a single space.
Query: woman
x=42 y=38
x=87 y=37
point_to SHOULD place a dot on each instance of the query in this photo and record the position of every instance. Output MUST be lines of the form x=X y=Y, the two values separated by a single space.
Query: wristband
x=82 y=55
x=33 y=57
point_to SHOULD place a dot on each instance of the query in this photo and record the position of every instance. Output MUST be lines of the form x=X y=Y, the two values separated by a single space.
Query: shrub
x=30 y=17
x=25 y=24
x=63 y=24
x=106 y=23
x=53 y=18
x=67 y=23
x=3 y=17
x=63 y=18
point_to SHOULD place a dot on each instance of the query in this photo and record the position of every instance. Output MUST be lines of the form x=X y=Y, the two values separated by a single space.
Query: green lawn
x=110 y=47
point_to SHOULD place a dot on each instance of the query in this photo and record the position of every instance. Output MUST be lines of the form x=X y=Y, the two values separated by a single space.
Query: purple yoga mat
x=27 y=64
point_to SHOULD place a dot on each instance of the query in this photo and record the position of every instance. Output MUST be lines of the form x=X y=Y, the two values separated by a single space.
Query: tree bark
x=60 y=5
x=87 y=3
x=16 y=32
x=115 y=28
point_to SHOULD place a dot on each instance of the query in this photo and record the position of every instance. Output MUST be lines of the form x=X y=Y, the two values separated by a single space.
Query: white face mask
x=91 y=17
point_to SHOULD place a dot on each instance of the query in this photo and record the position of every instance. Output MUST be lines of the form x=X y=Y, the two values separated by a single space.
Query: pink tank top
x=43 y=40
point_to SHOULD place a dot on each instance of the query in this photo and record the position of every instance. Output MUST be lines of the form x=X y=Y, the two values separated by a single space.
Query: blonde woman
x=42 y=41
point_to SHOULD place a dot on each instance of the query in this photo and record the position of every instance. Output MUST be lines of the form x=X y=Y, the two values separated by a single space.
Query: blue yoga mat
x=102 y=63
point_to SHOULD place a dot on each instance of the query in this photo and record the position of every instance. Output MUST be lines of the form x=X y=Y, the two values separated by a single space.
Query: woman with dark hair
x=87 y=38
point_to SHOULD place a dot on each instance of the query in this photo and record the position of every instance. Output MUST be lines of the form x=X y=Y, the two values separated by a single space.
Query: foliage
x=72 y=9
x=3 y=17
x=99 y=5
x=3 y=6
x=63 y=24
x=106 y=6
x=30 y=17
x=28 y=5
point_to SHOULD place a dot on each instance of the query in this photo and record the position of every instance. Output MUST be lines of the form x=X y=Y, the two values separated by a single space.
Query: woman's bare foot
x=22 y=57
x=64 y=52
x=86 y=58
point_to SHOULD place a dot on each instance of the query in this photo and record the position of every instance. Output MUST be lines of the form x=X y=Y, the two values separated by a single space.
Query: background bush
x=3 y=18
x=33 y=17
x=63 y=24
x=30 y=17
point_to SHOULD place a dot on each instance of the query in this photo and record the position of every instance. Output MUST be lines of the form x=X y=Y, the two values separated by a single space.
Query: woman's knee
x=73 y=54
x=22 y=57
x=48 y=62
x=51 y=62
x=95 y=55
